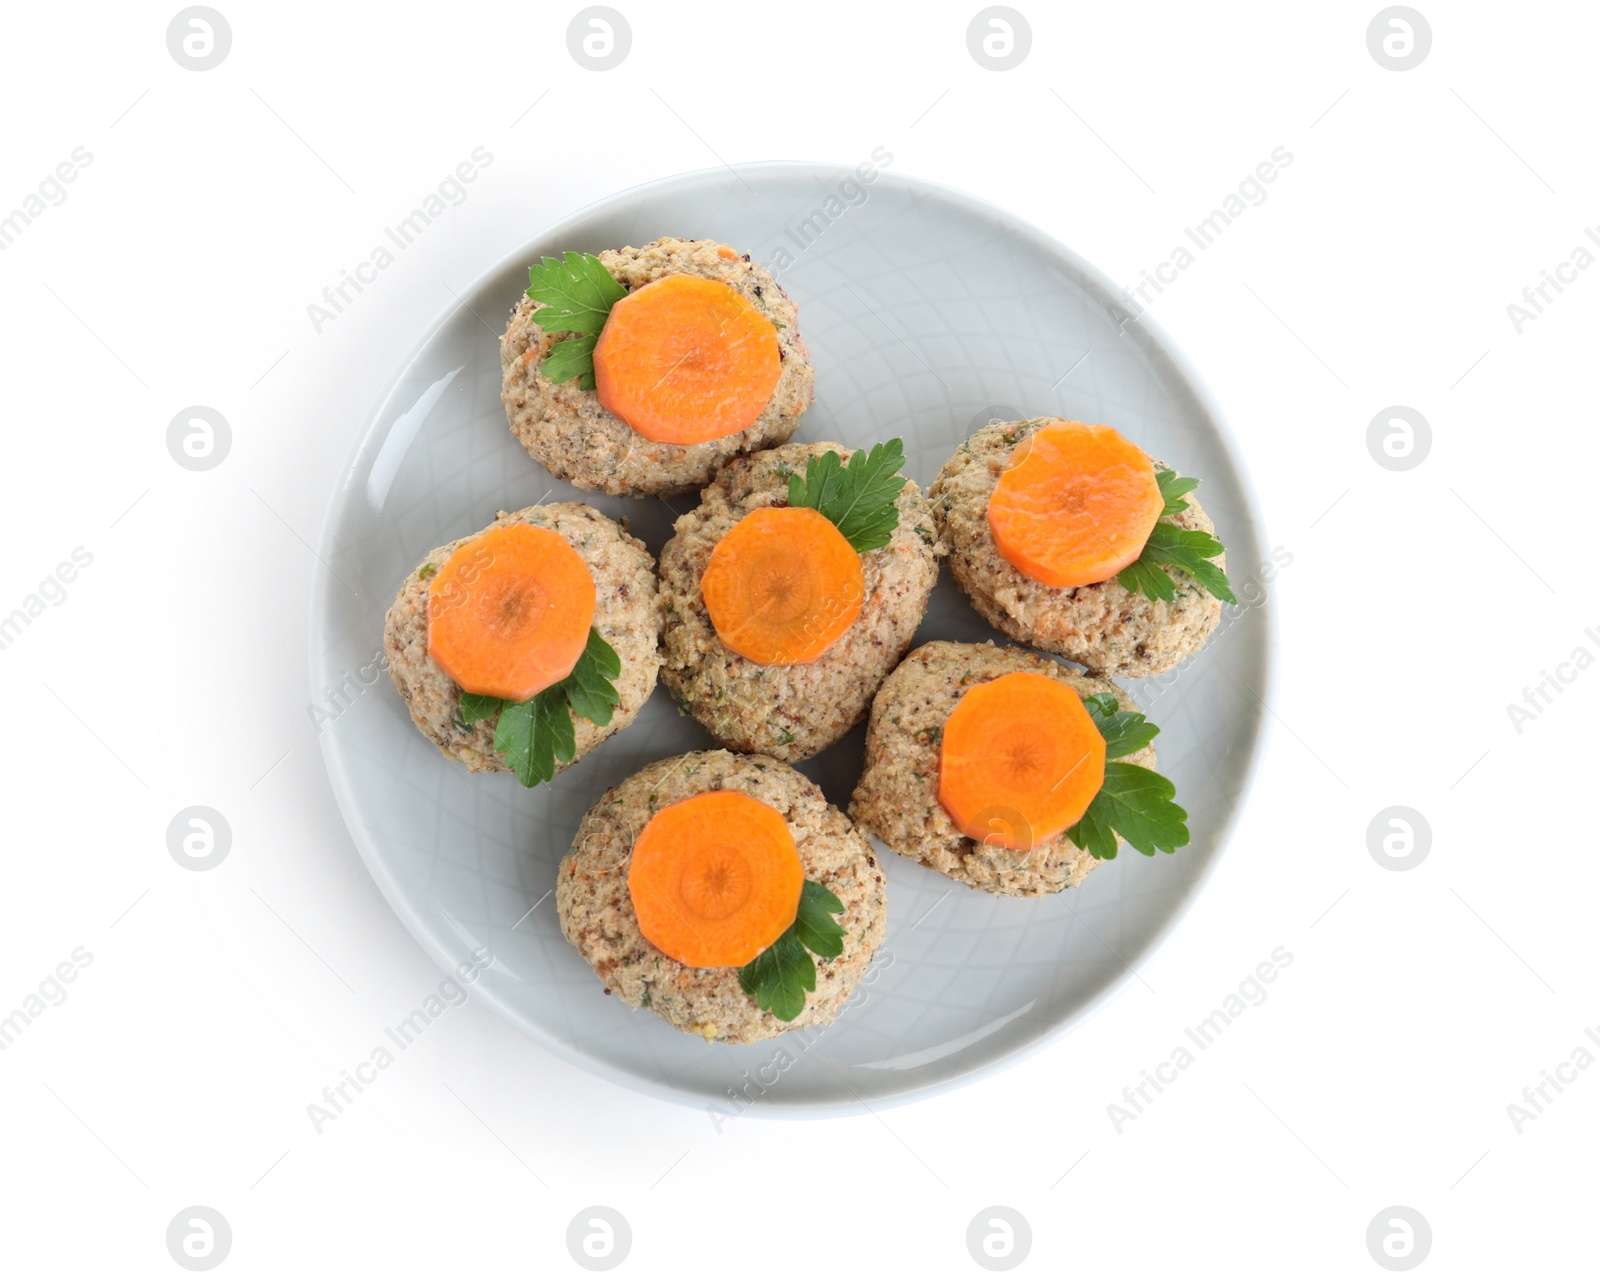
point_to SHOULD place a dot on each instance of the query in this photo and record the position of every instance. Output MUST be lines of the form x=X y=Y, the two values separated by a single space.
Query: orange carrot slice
x=1075 y=505
x=715 y=879
x=684 y=360
x=782 y=586
x=509 y=612
x=1020 y=761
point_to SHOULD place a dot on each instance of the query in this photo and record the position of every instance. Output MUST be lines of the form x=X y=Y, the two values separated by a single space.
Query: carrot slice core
x=715 y=879
x=783 y=585
x=1075 y=505
x=509 y=612
x=1020 y=760
x=684 y=360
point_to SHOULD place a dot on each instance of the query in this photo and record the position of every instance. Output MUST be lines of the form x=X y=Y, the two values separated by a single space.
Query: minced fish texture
x=897 y=797
x=789 y=712
x=597 y=914
x=627 y=614
x=566 y=428
x=1104 y=626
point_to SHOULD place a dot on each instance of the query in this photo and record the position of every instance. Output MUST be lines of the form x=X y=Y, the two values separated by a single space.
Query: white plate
x=927 y=312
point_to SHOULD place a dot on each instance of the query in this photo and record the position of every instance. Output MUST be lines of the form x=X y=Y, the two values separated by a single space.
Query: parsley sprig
x=1169 y=546
x=1132 y=802
x=858 y=497
x=782 y=974
x=578 y=294
x=533 y=735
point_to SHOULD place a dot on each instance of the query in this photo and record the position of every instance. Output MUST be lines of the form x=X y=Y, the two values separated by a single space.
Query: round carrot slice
x=509 y=612
x=715 y=879
x=684 y=360
x=782 y=586
x=1020 y=761
x=1075 y=505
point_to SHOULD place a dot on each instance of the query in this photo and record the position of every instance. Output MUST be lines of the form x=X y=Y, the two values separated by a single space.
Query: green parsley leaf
x=780 y=977
x=572 y=358
x=859 y=498
x=475 y=706
x=1174 y=490
x=577 y=291
x=1133 y=802
x=1126 y=731
x=590 y=691
x=1147 y=579
x=782 y=974
x=1169 y=546
x=1192 y=551
x=814 y=923
x=578 y=294
x=1137 y=804
x=535 y=734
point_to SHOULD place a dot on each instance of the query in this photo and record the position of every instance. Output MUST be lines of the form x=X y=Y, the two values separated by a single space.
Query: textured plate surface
x=927 y=313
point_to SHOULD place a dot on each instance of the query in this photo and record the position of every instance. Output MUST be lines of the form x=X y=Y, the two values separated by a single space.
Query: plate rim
x=424 y=932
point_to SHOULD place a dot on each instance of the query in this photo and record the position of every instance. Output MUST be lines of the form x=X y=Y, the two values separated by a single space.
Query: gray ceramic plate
x=927 y=312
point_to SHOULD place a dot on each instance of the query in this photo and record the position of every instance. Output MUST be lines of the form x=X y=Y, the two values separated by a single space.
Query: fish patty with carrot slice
x=658 y=834
x=487 y=637
x=757 y=679
x=1007 y=545
x=1021 y=848
x=681 y=376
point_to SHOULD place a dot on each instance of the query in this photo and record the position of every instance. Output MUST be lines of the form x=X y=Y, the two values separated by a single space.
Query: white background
x=1418 y=605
